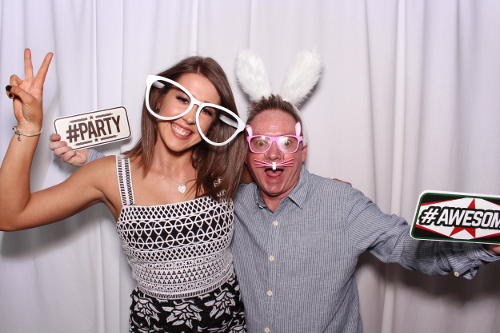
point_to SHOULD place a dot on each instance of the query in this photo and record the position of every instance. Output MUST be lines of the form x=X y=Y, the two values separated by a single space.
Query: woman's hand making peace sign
x=27 y=95
x=19 y=207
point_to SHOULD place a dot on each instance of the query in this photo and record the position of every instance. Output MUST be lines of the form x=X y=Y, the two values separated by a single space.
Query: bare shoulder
x=101 y=167
x=101 y=171
x=103 y=162
x=97 y=174
x=101 y=175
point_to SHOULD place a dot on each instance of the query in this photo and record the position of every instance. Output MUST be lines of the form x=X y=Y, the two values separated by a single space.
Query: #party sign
x=94 y=128
x=464 y=217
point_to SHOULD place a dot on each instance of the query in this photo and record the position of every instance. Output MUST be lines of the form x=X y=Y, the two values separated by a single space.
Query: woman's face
x=181 y=134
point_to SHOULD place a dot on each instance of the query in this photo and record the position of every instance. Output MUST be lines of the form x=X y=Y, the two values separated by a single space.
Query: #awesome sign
x=464 y=217
x=94 y=128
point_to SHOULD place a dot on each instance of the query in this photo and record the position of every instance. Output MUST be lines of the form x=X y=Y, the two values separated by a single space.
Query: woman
x=170 y=195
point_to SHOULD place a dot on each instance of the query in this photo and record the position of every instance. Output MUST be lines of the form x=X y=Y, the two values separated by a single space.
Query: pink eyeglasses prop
x=287 y=144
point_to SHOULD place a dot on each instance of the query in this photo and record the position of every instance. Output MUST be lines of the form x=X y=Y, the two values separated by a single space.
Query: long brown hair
x=218 y=169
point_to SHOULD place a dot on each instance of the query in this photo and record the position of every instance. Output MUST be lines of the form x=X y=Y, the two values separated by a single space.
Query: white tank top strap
x=124 y=180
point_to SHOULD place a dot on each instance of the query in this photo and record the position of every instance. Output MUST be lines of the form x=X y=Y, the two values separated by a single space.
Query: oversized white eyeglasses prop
x=184 y=102
x=287 y=144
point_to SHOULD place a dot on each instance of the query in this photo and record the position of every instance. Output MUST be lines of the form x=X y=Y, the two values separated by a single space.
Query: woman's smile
x=181 y=131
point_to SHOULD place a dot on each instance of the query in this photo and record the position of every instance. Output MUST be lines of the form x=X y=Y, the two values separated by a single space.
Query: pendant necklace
x=182 y=187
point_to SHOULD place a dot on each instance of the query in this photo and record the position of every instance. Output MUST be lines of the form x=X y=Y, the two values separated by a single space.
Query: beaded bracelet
x=18 y=133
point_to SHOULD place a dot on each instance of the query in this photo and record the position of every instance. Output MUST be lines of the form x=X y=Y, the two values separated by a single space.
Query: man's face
x=275 y=184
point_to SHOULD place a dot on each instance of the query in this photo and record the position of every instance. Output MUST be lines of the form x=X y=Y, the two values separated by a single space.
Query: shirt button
x=269 y=293
x=271 y=258
x=457 y=274
x=267 y=330
x=275 y=223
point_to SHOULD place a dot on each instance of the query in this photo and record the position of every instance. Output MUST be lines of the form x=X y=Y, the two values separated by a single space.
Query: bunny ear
x=252 y=75
x=302 y=77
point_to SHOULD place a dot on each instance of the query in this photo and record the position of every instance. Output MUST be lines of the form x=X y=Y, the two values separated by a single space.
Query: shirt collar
x=297 y=196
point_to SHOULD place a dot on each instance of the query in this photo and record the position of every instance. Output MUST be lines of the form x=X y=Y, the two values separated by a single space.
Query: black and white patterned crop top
x=175 y=250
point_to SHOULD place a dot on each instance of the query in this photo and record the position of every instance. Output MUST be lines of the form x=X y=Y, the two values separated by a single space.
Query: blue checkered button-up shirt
x=296 y=266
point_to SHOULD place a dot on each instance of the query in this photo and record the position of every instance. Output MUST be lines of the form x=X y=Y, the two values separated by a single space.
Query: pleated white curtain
x=408 y=101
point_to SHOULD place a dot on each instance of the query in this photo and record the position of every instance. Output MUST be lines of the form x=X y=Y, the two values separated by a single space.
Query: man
x=298 y=236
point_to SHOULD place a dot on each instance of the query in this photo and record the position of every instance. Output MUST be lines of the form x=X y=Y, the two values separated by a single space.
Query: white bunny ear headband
x=300 y=80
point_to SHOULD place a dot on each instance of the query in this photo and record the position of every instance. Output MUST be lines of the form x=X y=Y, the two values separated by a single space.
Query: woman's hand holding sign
x=66 y=153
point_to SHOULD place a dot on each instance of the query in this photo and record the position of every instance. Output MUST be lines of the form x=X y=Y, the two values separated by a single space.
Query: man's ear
x=304 y=154
x=246 y=176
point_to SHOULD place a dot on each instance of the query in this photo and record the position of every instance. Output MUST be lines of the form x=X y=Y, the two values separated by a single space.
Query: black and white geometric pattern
x=175 y=250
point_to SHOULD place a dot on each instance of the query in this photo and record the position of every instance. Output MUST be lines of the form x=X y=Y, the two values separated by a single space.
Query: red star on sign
x=471 y=231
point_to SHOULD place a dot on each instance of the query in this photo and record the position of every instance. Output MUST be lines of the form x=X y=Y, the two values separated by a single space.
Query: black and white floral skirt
x=218 y=311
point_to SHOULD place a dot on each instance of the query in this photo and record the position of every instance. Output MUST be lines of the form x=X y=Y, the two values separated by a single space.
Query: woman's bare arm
x=19 y=208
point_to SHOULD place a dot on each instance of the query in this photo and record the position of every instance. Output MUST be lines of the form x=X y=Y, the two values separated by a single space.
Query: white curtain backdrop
x=408 y=101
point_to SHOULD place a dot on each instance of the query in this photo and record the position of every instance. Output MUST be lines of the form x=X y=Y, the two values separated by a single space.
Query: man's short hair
x=275 y=102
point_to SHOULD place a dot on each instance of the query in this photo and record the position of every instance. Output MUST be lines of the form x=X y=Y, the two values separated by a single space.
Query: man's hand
x=342 y=181
x=495 y=249
x=66 y=153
